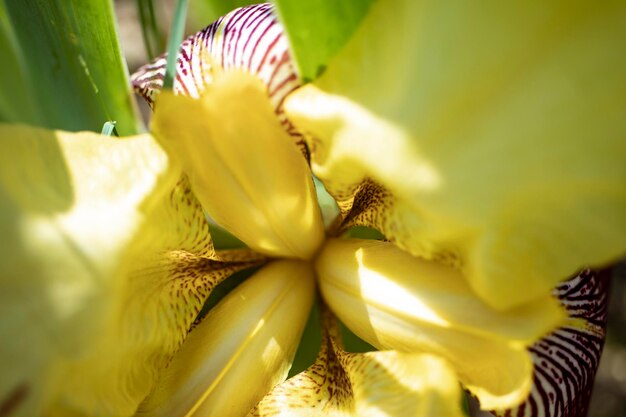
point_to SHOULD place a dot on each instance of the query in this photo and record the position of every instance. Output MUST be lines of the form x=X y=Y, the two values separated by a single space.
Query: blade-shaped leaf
x=153 y=39
x=318 y=29
x=15 y=95
x=204 y=12
x=69 y=55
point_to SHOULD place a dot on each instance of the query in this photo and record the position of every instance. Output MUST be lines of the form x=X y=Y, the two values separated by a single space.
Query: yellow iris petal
x=373 y=384
x=396 y=301
x=70 y=204
x=242 y=348
x=106 y=261
x=429 y=292
x=396 y=384
x=243 y=166
x=497 y=131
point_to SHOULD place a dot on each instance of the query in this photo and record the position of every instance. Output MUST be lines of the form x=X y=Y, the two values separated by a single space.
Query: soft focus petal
x=566 y=360
x=242 y=165
x=373 y=384
x=396 y=301
x=70 y=204
x=94 y=296
x=497 y=131
x=242 y=348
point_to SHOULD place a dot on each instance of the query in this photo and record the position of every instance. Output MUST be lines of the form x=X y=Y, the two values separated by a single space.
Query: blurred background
x=609 y=396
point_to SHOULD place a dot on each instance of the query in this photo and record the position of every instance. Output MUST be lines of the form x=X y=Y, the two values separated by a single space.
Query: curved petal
x=242 y=166
x=70 y=205
x=367 y=203
x=242 y=348
x=105 y=265
x=168 y=272
x=495 y=130
x=373 y=384
x=393 y=300
x=567 y=359
x=410 y=288
x=249 y=38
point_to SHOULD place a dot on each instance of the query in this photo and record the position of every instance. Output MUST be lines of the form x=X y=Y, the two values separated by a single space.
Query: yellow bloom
x=109 y=260
x=505 y=129
x=106 y=263
x=248 y=174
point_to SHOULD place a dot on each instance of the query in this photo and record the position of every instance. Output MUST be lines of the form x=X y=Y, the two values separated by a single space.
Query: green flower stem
x=175 y=39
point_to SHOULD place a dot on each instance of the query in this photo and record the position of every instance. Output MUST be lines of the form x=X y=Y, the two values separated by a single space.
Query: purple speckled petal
x=566 y=360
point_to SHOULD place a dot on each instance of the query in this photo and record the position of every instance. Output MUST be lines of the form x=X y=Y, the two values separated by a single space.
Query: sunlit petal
x=396 y=301
x=373 y=384
x=428 y=292
x=497 y=132
x=106 y=262
x=168 y=272
x=243 y=167
x=242 y=348
x=70 y=204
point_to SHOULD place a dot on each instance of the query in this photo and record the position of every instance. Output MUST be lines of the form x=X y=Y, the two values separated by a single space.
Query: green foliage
x=310 y=343
x=153 y=39
x=109 y=129
x=204 y=12
x=318 y=29
x=174 y=41
x=16 y=98
x=62 y=66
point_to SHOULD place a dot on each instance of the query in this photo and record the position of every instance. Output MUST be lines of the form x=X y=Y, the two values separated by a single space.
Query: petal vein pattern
x=373 y=384
x=108 y=264
x=249 y=38
x=567 y=359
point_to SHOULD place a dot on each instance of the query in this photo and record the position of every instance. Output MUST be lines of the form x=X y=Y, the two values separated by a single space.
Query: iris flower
x=111 y=258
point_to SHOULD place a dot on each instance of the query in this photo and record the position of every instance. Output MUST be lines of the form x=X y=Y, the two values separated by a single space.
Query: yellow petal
x=261 y=49
x=105 y=265
x=169 y=270
x=398 y=384
x=497 y=131
x=69 y=206
x=373 y=384
x=428 y=292
x=566 y=360
x=396 y=301
x=243 y=166
x=242 y=348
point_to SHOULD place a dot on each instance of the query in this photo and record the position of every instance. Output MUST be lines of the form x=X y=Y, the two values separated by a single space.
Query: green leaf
x=153 y=39
x=318 y=29
x=68 y=55
x=15 y=96
x=109 y=129
x=176 y=37
x=204 y=12
x=310 y=343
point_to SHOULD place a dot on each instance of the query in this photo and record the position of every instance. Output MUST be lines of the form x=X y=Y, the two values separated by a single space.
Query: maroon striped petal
x=249 y=38
x=566 y=361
